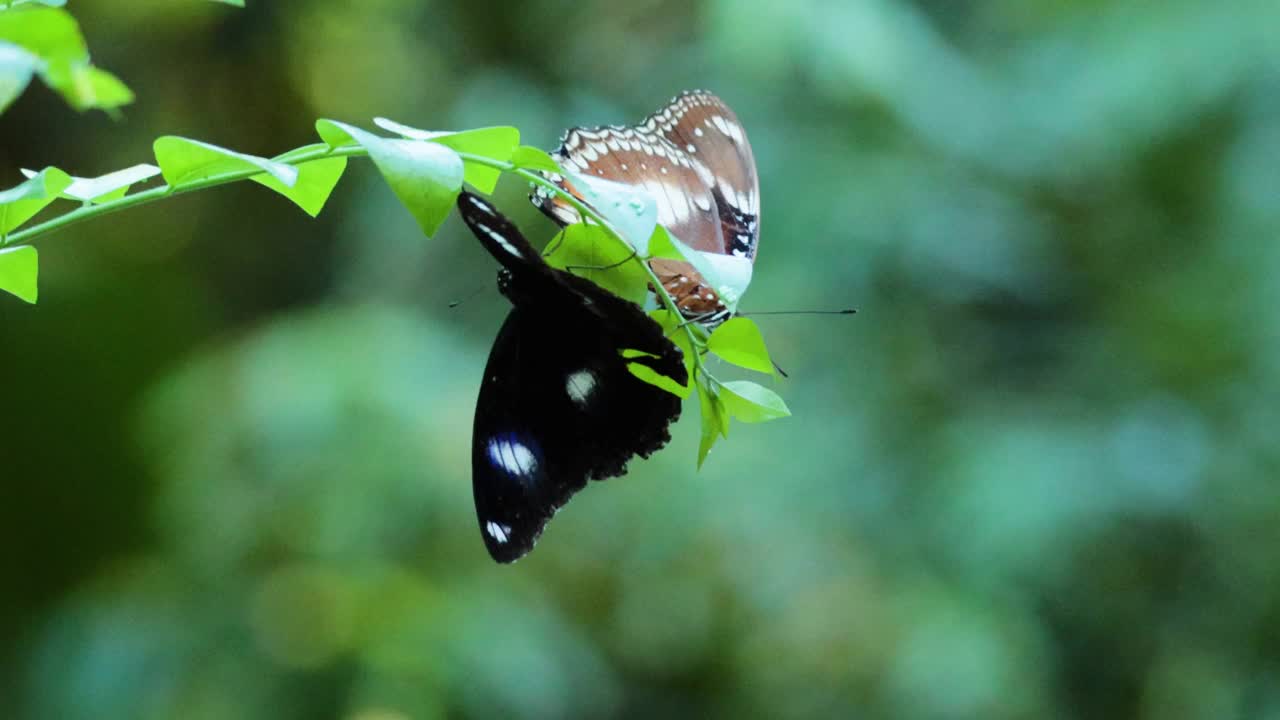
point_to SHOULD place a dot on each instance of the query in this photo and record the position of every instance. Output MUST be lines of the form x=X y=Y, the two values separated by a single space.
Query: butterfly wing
x=558 y=405
x=693 y=157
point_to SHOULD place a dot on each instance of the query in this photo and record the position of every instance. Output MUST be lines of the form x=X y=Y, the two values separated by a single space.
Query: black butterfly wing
x=558 y=405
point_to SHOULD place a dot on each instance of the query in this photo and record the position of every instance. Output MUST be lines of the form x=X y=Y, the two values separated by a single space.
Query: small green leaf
x=408 y=131
x=589 y=251
x=184 y=161
x=672 y=327
x=334 y=135
x=707 y=268
x=19 y=204
x=662 y=245
x=739 y=341
x=532 y=158
x=53 y=36
x=426 y=176
x=19 y=272
x=316 y=179
x=16 y=67
x=497 y=143
x=653 y=377
x=630 y=210
x=752 y=403
x=234 y=3
x=48 y=33
x=92 y=87
x=714 y=420
x=105 y=187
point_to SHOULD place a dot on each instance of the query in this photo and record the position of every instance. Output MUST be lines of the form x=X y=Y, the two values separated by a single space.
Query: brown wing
x=693 y=157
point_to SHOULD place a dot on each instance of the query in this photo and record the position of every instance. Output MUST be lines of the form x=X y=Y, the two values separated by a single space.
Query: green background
x=1034 y=477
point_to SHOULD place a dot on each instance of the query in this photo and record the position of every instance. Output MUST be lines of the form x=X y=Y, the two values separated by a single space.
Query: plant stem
x=159 y=193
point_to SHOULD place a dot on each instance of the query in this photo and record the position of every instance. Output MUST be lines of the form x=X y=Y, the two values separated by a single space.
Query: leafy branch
x=426 y=170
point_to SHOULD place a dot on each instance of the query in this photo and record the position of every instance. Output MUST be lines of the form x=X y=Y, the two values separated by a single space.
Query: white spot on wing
x=499 y=532
x=497 y=237
x=511 y=455
x=580 y=386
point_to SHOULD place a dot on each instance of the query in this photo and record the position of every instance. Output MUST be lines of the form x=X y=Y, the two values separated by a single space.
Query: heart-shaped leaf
x=749 y=402
x=589 y=251
x=184 y=162
x=107 y=187
x=19 y=204
x=316 y=179
x=738 y=340
x=426 y=176
x=496 y=143
x=19 y=271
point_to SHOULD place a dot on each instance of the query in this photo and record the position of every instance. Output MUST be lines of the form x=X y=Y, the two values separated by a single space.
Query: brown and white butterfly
x=693 y=158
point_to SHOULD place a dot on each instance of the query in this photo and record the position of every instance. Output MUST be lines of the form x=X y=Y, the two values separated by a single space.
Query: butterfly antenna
x=846 y=311
x=603 y=267
x=456 y=303
x=776 y=366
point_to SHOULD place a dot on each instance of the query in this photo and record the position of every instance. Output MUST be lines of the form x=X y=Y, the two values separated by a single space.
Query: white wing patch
x=499 y=532
x=497 y=237
x=512 y=456
x=580 y=386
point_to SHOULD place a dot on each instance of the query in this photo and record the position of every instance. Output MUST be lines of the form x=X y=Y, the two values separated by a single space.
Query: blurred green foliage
x=1034 y=477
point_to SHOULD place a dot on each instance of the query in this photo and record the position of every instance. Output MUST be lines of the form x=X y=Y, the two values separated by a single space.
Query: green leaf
x=54 y=37
x=107 y=187
x=48 y=33
x=19 y=204
x=532 y=158
x=16 y=67
x=714 y=420
x=671 y=327
x=662 y=245
x=426 y=176
x=752 y=403
x=497 y=143
x=234 y=3
x=333 y=134
x=739 y=341
x=19 y=272
x=653 y=377
x=85 y=86
x=591 y=252
x=316 y=179
x=630 y=210
x=184 y=162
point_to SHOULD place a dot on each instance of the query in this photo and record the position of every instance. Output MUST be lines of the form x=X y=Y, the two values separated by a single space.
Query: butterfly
x=557 y=404
x=692 y=156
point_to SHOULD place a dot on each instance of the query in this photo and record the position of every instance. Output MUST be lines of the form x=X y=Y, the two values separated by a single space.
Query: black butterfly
x=558 y=405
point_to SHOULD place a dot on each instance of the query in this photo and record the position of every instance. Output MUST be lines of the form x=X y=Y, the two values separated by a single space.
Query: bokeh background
x=1035 y=477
